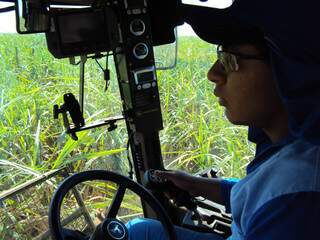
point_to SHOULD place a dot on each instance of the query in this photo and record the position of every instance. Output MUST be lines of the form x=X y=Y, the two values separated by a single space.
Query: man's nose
x=217 y=73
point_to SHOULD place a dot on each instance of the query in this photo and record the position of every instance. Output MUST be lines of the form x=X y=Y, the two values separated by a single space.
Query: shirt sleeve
x=294 y=216
x=226 y=186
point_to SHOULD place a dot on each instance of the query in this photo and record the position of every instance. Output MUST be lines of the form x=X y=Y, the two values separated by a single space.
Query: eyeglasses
x=229 y=59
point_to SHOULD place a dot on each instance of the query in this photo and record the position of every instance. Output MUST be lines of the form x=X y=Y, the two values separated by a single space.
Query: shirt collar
x=264 y=147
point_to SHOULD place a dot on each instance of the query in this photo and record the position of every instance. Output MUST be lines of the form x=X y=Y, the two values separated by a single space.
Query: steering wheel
x=111 y=228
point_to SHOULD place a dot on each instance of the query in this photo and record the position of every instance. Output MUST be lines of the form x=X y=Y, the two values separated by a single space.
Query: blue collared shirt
x=280 y=196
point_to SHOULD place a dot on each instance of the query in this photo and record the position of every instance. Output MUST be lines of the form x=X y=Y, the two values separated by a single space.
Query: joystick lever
x=180 y=197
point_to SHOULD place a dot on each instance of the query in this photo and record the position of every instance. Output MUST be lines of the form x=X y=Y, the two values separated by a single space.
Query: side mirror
x=32 y=16
x=166 y=55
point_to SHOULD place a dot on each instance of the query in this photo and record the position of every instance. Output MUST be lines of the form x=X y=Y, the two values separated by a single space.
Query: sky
x=7 y=20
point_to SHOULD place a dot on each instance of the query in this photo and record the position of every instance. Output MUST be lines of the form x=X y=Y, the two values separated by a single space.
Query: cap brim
x=219 y=26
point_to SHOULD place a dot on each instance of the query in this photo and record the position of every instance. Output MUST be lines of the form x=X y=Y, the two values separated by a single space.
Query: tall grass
x=196 y=134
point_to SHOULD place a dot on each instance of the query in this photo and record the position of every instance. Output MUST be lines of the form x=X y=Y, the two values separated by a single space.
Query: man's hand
x=208 y=188
x=180 y=179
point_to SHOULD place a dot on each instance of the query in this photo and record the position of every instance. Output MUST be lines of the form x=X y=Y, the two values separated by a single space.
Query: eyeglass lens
x=229 y=61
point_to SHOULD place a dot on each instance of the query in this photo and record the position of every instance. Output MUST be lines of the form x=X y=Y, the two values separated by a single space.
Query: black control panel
x=137 y=69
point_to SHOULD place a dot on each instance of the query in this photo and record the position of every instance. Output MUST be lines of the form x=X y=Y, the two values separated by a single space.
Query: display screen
x=83 y=31
x=145 y=77
x=86 y=27
x=134 y=4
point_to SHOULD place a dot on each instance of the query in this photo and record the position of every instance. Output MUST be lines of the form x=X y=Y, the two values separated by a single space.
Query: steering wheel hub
x=115 y=229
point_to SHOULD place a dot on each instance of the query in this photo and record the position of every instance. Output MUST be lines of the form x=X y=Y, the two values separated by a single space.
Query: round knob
x=140 y=51
x=137 y=27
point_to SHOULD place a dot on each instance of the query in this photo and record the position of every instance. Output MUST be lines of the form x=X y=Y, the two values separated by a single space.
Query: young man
x=280 y=196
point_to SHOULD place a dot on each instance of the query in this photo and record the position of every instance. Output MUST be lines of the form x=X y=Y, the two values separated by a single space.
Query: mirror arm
x=7 y=9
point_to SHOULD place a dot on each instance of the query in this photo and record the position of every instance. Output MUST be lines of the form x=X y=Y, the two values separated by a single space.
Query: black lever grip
x=156 y=183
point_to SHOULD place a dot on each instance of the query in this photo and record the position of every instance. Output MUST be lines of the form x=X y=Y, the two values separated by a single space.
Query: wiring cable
x=106 y=71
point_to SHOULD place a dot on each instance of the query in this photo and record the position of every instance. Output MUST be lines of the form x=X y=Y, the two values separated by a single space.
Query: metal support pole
x=81 y=85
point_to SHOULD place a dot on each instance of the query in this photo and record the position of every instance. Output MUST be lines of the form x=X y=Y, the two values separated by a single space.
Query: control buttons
x=146 y=85
x=136 y=11
x=137 y=27
x=140 y=51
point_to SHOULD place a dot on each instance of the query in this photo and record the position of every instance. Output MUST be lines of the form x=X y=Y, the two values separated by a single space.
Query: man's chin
x=240 y=123
x=235 y=120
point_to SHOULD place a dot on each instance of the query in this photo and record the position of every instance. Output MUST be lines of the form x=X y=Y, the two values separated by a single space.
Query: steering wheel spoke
x=116 y=202
x=110 y=228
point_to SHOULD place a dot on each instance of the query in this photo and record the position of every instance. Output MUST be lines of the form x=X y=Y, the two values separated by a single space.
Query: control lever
x=158 y=184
